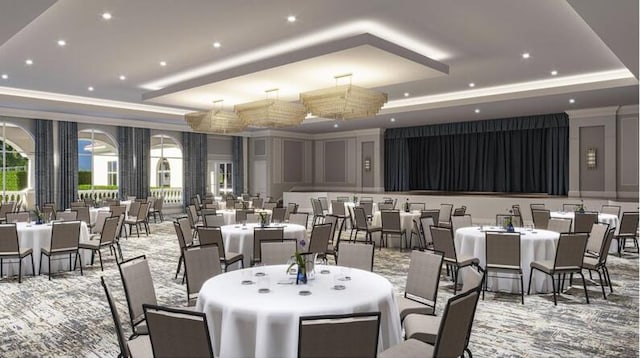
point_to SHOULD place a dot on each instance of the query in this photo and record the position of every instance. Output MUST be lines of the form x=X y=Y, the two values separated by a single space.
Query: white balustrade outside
x=172 y=196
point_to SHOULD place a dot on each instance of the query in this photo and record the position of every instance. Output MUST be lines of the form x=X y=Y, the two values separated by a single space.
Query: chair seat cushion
x=372 y=228
x=233 y=256
x=496 y=267
x=24 y=251
x=545 y=266
x=422 y=327
x=93 y=244
x=464 y=260
x=45 y=250
x=140 y=347
x=411 y=348
x=407 y=306
x=590 y=263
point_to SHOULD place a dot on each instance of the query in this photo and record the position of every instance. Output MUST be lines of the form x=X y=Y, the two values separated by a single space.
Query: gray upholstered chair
x=503 y=256
x=101 y=216
x=83 y=214
x=598 y=262
x=362 y=225
x=445 y=215
x=417 y=206
x=334 y=242
x=569 y=207
x=277 y=252
x=596 y=238
x=421 y=290
x=140 y=219
x=318 y=213
x=177 y=332
x=21 y=217
x=584 y=221
x=264 y=234
x=391 y=226
x=138 y=289
x=356 y=255
x=541 y=218
x=213 y=220
x=628 y=230
x=184 y=239
x=299 y=219
x=278 y=215
x=201 y=262
x=213 y=236
x=65 y=237
x=337 y=335
x=107 y=238
x=443 y=242
x=10 y=248
x=460 y=221
x=319 y=240
x=66 y=215
x=610 y=209
x=559 y=225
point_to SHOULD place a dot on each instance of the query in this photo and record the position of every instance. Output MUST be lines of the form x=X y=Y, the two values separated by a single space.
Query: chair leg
x=80 y=260
x=49 y=259
x=584 y=284
x=485 y=283
x=100 y=257
x=33 y=267
x=521 y=288
x=604 y=295
x=455 y=280
x=40 y=265
x=606 y=271
x=20 y=270
x=555 y=301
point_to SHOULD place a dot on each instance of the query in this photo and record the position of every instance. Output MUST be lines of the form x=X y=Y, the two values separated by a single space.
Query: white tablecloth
x=535 y=245
x=229 y=215
x=610 y=219
x=239 y=238
x=245 y=323
x=39 y=236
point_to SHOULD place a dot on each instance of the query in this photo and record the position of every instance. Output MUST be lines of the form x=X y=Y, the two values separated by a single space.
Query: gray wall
x=592 y=179
x=627 y=141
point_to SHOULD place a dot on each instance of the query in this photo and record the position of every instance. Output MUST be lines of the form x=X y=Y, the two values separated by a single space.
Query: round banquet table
x=239 y=238
x=536 y=245
x=245 y=323
x=229 y=215
x=36 y=237
x=610 y=219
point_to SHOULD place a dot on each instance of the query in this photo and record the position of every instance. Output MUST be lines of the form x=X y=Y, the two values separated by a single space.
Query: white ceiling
x=479 y=41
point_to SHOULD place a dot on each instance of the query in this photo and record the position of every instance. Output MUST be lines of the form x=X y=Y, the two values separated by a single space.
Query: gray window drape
x=68 y=149
x=524 y=154
x=194 y=163
x=45 y=191
x=238 y=165
x=134 y=159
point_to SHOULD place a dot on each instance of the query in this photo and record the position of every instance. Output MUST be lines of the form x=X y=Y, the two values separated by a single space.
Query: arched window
x=17 y=147
x=97 y=164
x=166 y=166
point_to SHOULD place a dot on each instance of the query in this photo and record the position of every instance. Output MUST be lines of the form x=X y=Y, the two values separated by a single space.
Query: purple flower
x=303 y=243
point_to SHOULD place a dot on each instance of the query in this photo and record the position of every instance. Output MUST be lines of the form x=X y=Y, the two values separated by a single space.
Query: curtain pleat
x=45 y=192
x=523 y=155
x=194 y=164
x=142 y=162
x=134 y=158
x=68 y=149
x=238 y=165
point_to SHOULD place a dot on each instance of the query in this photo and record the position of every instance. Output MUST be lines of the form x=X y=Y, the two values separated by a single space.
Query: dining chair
x=443 y=242
x=292 y=208
x=338 y=209
x=559 y=225
x=177 y=332
x=21 y=217
x=584 y=221
x=610 y=209
x=83 y=214
x=277 y=252
x=453 y=332
x=356 y=255
x=318 y=213
x=568 y=260
x=138 y=290
x=278 y=215
x=421 y=290
x=117 y=210
x=385 y=206
x=66 y=215
x=571 y=207
x=213 y=220
x=362 y=225
x=183 y=234
x=107 y=238
x=213 y=236
x=368 y=209
x=541 y=218
x=65 y=237
x=445 y=215
x=336 y=335
x=628 y=230
x=334 y=242
x=10 y=249
x=598 y=262
x=432 y=213
x=140 y=346
x=460 y=221
x=77 y=204
x=460 y=211
x=319 y=240
x=134 y=207
x=201 y=262
x=101 y=216
x=256 y=203
x=264 y=234
x=241 y=216
x=324 y=202
x=391 y=226
x=503 y=255
x=140 y=219
x=417 y=206
x=299 y=219
x=425 y=232
x=515 y=208
x=596 y=238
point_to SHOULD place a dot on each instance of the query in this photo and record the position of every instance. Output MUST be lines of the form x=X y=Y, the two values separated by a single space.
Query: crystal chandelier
x=271 y=112
x=215 y=121
x=343 y=101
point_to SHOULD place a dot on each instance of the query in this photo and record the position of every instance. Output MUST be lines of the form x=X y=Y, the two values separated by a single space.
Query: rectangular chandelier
x=343 y=102
x=215 y=121
x=271 y=113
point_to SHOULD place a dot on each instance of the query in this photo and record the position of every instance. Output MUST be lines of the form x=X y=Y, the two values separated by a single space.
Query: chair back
x=212 y=236
x=417 y=206
x=179 y=234
x=606 y=245
x=134 y=208
x=21 y=217
x=178 y=332
x=472 y=278
x=212 y=205
x=333 y=220
x=366 y=199
x=138 y=286
x=385 y=206
x=570 y=251
x=213 y=220
x=201 y=263
x=158 y=203
x=343 y=199
x=584 y=221
x=319 y=241
x=265 y=234
x=336 y=335
x=205 y=212
x=9 y=242
x=278 y=214
x=241 y=216
x=112 y=202
x=185 y=227
x=502 y=249
x=143 y=212
x=629 y=224
x=537 y=207
x=390 y=221
x=277 y=252
x=443 y=242
x=456 y=323
x=299 y=219
x=356 y=255
x=460 y=211
x=65 y=235
x=368 y=208
x=540 y=218
x=596 y=238
x=559 y=225
x=109 y=230
x=569 y=207
x=67 y=215
x=122 y=339
x=82 y=214
x=192 y=214
x=337 y=208
x=445 y=212
x=426 y=222
x=253 y=218
x=460 y=221
x=48 y=211
x=292 y=208
x=256 y=203
x=424 y=275
x=117 y=210
x=230 y=203
x=432 y=213
x=316 y=207
x=77 y=204
x=610 y=209
x=101 y=216
x=360 y=218
x=324 y=202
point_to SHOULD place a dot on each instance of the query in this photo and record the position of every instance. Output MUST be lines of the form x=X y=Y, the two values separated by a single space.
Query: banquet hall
x=285 y=178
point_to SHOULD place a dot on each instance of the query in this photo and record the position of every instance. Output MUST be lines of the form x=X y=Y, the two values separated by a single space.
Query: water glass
x=264 y=284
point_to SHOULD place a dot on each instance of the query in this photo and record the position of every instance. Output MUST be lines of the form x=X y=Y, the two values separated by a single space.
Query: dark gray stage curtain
x=521 y=155
x=194 y=162
x=45 y=191
x=134 y=159
x=68 y=149
x=238 y=165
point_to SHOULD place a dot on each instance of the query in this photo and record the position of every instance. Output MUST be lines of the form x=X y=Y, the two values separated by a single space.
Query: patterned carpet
x=69 y=316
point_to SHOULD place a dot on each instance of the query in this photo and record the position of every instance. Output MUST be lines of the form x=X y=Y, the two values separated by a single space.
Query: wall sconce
x=367 y=164
x=591 y=158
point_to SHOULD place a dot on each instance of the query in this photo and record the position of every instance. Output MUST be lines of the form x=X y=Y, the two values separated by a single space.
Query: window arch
x=97 y=164
x=164 y=173
x=166 y=164
x=17 y=148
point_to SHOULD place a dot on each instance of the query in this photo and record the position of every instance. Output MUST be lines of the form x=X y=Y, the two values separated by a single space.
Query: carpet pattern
x=69 y=315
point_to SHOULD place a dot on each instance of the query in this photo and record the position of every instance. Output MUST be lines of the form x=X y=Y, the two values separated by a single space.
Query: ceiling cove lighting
x=216 y=44
x=554 y=73
x=90 y=89
x=526 y=55
x=572 y=101
x=62 y=43
x=343 y=101
x=28 y=62
x=5 y=76
x=291 y=18
x=122 y=77
x=472 y=84
x=106 y=15
x=271 y=112
x=215 y=121
x=163 y=63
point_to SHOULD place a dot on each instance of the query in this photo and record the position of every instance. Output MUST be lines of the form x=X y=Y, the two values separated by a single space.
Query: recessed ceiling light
x=123 y=77
x=554 y=73
x=406 y=94
x=526 y=55
x=216 y=44
x=62 y=43
x=106 y=15
x=335 y=125
x=572 y=100
x=392 y=119
x=291 y=18
x=163 y=63
x=5 y=76
x=90 y=89
x=29 y=62
x=477 y=110
x=472 y=84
